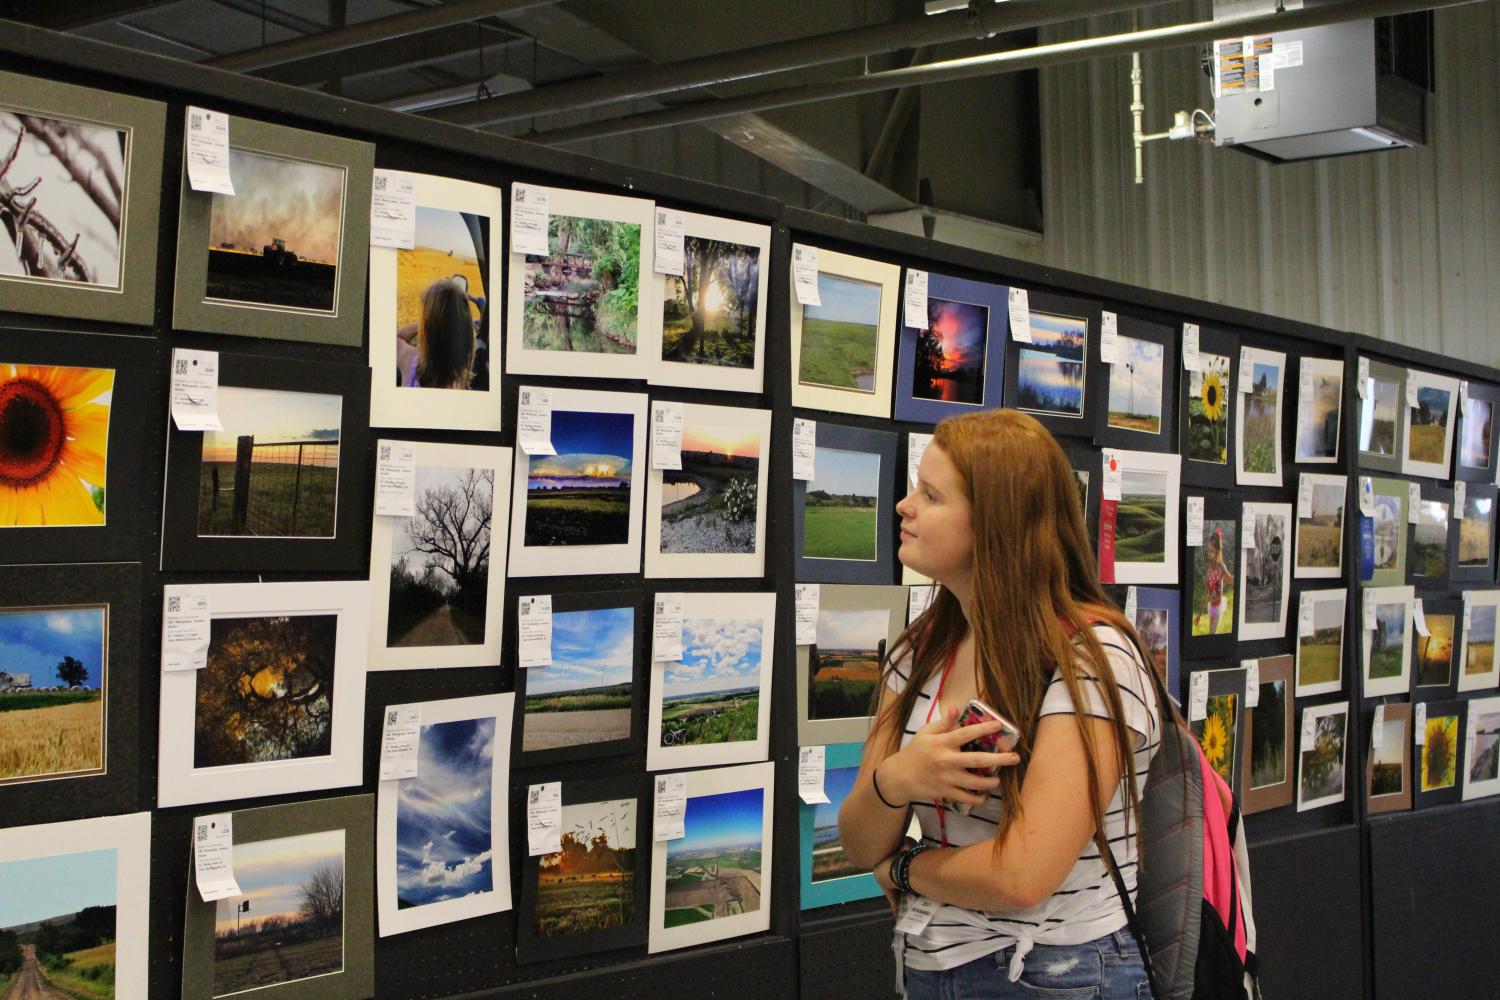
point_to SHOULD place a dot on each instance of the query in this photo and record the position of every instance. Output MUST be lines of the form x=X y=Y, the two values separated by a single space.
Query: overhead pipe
x=381 y=29
x=946 y=71
x=982 y=19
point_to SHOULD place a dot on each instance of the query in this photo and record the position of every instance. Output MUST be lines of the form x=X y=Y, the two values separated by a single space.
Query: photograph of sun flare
x=54 y=433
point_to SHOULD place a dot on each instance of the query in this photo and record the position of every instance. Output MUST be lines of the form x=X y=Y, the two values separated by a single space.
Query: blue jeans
x=1105 y=969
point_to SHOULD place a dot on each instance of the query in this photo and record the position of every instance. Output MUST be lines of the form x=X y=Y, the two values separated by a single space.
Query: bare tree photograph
x=440 y=560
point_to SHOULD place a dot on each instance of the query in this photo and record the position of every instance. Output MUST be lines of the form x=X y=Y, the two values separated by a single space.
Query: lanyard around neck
x=936 y=701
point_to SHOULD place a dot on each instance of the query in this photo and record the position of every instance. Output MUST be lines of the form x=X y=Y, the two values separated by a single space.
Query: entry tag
x=534 y=631
x=544 y=818
x=1460 y=494
x=1020 y=315
x=529 y=206
x=393 y=210
x=805 y=274
x=1252 y=682
x=666 y=629
x=1419 y=724
x=1305 y=617
x=1247 y=535
x=1412 y=400
x=1369 y=612
x=671 y=807
x=185 y=629
x=914 y=301
x=666 y=435
x=1198 y=697
x=1130 y=604
x=917 y=914
x=207 y=151
x=1113 y=473
x=918 y=597
x=808 y=595
x=395 y=478
x=1419 y=617
x=810 y=762
x=1377 y=731
x=1413 y=502
x=804 y=448
x=1109 y=338
x=213 y=857
x=400 y=742
x=195 y=390
x=916 y=447
x=1309 y=728
x=534 y=421
x=1463 y=397
x=669 y=226
x=1304 y=388
x=1304 y=496
x=1367 y=496
x=1192 y=360
x=1247 y=371
x=1363 y=384
x=1195 y=521
x=1468 y=612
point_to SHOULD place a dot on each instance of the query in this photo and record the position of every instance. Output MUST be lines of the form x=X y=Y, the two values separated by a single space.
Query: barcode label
x=196 y=120
x=174 y=605
x=380 y=182
x=202 y=833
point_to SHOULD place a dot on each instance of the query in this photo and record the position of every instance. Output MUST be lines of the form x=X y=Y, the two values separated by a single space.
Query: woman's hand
x=934 y=766
x=883 y=879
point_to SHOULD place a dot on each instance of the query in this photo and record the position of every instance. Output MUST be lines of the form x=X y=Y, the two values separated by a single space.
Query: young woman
x=437 y=351
x=1023 y=900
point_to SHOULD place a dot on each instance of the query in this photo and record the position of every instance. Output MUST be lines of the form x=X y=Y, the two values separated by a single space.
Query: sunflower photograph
x=1440 y=753
x=1208 y=411
x=54 y=432
x=1215 y=734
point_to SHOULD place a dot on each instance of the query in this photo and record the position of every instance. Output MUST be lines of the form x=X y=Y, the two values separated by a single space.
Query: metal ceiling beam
x=1172 y=36
x=367 y=33
x=981 y=21
x=392 y=54
x=72 y=16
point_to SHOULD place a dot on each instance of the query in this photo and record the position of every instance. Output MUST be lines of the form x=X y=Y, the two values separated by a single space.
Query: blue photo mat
x=1170 y=600
x=840 y=756
x=982 y=294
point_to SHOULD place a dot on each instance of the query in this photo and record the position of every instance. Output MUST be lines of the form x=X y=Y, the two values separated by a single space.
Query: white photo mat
x=393 y=918
x=1475 y=788
x=1317 y=712
x=723 y=377
x=1480 y=604
x=179 y=782
x=1323 y=483
x=873 y=599
x=382 y=655
x=1169 y=467
x=1249 y=358
x=1415 y=467
x=759 y=607
x=1285 y=515
x=574 y=560
x=1307 y=422
x=1332 y=604
x=836 y=400
x=716 y=782
x=711 y=564
x=446 y=409
x=520 y=360
x=1388 y=597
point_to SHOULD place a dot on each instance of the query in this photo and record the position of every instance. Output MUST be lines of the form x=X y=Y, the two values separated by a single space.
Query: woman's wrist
x=886 y=792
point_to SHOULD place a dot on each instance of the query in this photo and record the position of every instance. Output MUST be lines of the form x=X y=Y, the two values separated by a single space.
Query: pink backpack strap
x=1218 y=855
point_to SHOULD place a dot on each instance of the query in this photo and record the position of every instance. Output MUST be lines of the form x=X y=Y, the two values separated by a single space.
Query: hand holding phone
x=1002 y=741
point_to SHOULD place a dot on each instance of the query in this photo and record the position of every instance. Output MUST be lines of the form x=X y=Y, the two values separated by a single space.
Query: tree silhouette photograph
x=440 y=560
x=710 y=309
x=949 y=360
x=267 y=691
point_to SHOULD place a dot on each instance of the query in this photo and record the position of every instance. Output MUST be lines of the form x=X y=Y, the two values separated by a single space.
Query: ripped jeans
x=1108 y=968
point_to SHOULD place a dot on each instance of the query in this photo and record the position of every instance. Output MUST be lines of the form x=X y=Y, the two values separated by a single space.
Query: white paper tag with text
x=185 y=629
x=544 y=818
x=1463 y=397
x=1413 y=502
x=808 y=596
x=1247 y=371
x=1468 y=612
x=1309 y=729
x=1377 y=731
x=669 y=241
x=395 y=478
x=1109 y=338
x=1020 y=315
x=1194 y=521
x=1198 y=697
x=666 y=435
x=1192 y=360
x=1367 y=496
x=1460 y=497
x=195 y=390
x=213 y=857
x=916 y=447
x=804 y=448
x=916 y=913
x=1305 y=617
x=1412 y=387
x=207 y=151
x=529 y=206
x=671 y=807
x=1131 y=603
x=810 y=762
x=1419 y=724
x=666 y=628
x=1369 y=612
x=1419 y=617
x=534 y=421
x=805 y=274
x=1252 y=682
x=1304 y=496
x=393 y=210
x=534 y=630
x=400 y=742
x=1114 y=471
x=918 y=597
x=914 y=299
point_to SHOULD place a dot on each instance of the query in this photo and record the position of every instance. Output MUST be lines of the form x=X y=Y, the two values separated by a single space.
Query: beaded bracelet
x=901 y=867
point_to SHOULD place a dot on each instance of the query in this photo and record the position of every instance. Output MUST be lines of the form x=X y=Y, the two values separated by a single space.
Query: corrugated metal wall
x=1402 y=245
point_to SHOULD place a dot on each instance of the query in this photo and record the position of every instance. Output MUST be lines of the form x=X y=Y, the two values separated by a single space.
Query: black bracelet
x=901 y=867
x=876 y=782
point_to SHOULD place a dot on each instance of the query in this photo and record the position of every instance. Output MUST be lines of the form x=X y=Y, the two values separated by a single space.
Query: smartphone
x=1002 y=741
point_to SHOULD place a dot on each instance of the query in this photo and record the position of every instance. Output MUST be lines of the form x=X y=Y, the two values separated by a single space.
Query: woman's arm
x=407 y=333
x=1039 y=850
x=868 y=828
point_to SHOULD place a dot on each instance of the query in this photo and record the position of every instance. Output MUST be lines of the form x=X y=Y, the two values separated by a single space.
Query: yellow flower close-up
x=54 y=434
x=1213 y=396
x=1215 y=739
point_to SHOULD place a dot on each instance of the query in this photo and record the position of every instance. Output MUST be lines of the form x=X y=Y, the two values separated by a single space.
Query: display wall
x=324 y=614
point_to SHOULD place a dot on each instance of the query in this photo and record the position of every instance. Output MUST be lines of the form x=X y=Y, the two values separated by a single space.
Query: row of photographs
x=316 y=878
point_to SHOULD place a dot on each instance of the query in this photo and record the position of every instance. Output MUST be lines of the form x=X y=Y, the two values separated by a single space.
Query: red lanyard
x=936 y=700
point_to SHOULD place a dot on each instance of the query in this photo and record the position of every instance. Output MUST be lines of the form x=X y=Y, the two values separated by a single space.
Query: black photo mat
x=1423 y=554
x=1439 y=652
x=1378 y=429
x=1088 y=471
x=1441 y=749
x=1474 y=533
x=881 y=569
x=1218 y=511
x=1196 y=434
x=534 y=947
x=287 y=473
x=1474 y=450
x=1157 y=377
x=118 y=538
x=1038 y=380
x=563 y=603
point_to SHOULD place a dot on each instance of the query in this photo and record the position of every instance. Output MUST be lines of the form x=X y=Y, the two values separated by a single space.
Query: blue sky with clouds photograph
x=444 y=844
x=589 y=649
x=35 y=642
x=729 y=819
x=718 y=654
x=41 y=888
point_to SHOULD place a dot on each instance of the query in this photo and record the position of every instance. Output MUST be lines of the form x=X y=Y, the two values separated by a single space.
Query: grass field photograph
x=714 y=871
x=440 y=289
x=440 y=560
x=275 y=242
x=1440 y=753
x=1428 y=434
x=581 y=495
x=54 y=445
x=1435 y=650
x=273 y=471
x=843 y=665
x=57 y=927
x=53 y=663
x=1318 y=423
x=1268 y=736
x=1207 y=436
x=288 y=924
x=1141 y=517
x=585 y=694
x=1388 y=523
x=1217 y=733
x=1262 y=420
x=1320 y=538
x=266 y=692
x=1474 y=434
x=840 y=337
x=1378 y=417
x=1213 y=579
x=1476 y=532
x=1388 y=641
x=709 y=312
x=1322 y=772
x=712 y=695
x=589 y=885
x=710 y=504
x=1135 y=386
x=1050 y=372
x=839 y=519
x=829 y=861
x=583 y=296
x=1386 y=773
x=948 y=365
x=1429 y=540
x=1320 y=656
x=1479 y=641
x=1264 y=591
x=443 y=838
